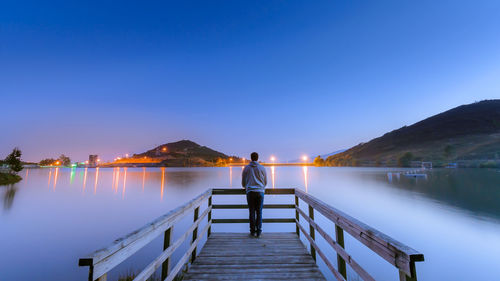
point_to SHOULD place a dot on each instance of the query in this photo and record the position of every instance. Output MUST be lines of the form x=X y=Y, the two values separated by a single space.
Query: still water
x=55 y=216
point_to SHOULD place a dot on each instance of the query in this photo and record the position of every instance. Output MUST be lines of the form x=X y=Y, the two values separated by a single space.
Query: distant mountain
x=466 y=133
x=324 y=156
x=184 y=153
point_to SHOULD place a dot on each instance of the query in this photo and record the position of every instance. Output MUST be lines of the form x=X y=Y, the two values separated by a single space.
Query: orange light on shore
x=57 y=163
x=98 y=160
x=86 y=162
x=273 y=159
x=304 y=158
x=164 y=149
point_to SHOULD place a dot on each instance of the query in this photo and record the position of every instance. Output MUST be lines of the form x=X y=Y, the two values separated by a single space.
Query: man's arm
x=265 y=176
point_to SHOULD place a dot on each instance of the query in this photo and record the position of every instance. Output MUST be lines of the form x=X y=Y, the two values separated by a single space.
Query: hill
x=465 y=133
x=180 y=154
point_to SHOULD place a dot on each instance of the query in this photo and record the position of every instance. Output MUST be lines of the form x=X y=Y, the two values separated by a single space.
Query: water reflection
x=143 y=177
x=466 y=189
x=8 y=198
x=124 y=182
x=117 y=180
x=72 y=175
x=50 y=176
x=272 y=175
x=96 y=178
x=55 y=178
x=162 y=182
x=306 y=180
x=457 y=205
x=84 y=180
x=231 y=176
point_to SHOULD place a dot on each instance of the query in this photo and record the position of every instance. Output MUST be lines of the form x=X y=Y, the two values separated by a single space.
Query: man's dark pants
x=255 y=203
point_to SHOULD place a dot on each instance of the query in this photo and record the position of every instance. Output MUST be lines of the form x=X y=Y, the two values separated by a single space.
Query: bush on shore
x=8 y=178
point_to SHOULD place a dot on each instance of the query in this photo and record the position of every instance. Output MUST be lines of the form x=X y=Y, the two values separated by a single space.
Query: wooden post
x=311 y=232
x=195 y=233
x=297 y=217
x=339 y=236
x=404 y=277
x=167 y=240
x=209 y=218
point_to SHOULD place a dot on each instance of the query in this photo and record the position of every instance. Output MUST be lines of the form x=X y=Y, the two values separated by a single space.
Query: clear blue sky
x=278 y=77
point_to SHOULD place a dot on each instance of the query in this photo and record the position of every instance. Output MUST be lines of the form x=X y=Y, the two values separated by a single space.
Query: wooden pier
x=236 y=256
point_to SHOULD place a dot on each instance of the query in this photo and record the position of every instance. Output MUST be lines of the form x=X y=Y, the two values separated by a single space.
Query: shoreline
x=7 y=178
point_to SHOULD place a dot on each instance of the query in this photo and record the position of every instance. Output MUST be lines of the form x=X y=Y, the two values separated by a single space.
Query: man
x=254 y=180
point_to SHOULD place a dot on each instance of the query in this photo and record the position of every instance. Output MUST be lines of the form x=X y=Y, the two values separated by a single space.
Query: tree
x=13 y=160
x=47 y=162
x=405 y=160
x=65 y=161
x=318 y=161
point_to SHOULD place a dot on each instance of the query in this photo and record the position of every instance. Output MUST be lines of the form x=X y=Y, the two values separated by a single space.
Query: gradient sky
x=278 y=77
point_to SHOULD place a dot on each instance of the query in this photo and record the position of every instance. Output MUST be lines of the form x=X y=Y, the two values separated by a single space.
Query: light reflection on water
x=68 y=220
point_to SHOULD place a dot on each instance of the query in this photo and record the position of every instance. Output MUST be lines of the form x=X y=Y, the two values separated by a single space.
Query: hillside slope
x=183 y=153
x=467 y=132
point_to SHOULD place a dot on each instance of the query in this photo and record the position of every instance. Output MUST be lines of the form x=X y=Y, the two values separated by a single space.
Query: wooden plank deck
x=236 y=256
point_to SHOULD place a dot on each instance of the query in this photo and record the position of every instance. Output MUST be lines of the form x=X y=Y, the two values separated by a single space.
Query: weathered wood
x=391 y=250
x=404 y=277
x=311 y=231
x=195 y=233
x=323 y=257
x=243 y=206
x=339 y=236
x=274 y=220
x=209 y=219
x=340 y=250
x=167 y=240
x=236 y=191
x=158 y=261
x=186 y=256
x=105 y=259
x=234 y=256
x=297 y=217
x=237 y=256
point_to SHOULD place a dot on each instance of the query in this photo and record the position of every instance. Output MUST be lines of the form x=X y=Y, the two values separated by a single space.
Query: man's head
x=254 y=156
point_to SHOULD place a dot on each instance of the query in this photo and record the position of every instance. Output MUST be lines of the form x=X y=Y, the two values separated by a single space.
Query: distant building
x=93 y=160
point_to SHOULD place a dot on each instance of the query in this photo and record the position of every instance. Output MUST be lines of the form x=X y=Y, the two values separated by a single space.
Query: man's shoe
x=257 y=235
x=252 y=234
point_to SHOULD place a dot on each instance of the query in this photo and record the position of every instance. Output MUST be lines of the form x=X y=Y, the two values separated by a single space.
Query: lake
x=55 y=216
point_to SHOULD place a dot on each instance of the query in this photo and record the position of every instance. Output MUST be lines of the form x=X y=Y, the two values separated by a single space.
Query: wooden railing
x=399 y=255
x=102 y=261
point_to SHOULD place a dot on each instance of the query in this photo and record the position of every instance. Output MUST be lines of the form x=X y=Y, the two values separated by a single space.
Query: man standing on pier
x=254 y=180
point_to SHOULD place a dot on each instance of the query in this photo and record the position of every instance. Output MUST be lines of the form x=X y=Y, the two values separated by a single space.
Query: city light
x=304 y=158
x=98 y=160
x=126 y=155
x=273 y=159
x=164 y=149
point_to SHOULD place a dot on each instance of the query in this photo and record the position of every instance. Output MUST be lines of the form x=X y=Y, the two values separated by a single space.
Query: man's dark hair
x=254 y=156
